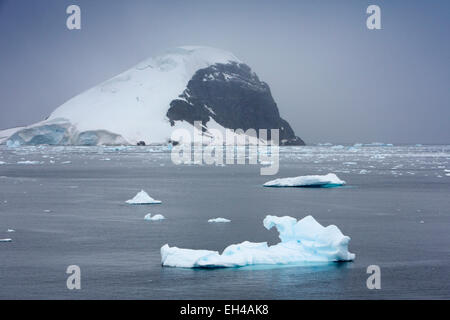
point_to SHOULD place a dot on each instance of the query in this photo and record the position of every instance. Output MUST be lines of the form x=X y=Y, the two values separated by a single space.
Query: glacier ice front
x=326 y=181
x=61 y=132
x=305 y=240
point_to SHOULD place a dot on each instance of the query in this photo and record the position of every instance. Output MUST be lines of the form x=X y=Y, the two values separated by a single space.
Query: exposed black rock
x=235 y=98
x=173 y=142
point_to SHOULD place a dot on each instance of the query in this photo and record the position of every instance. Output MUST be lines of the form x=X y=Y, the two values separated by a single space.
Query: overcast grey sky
x=333 y=79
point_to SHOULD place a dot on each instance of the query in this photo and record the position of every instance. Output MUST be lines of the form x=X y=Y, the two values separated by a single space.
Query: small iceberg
x=5 y=240
x=302 y=241
x=327 y=181
x=28 y=162
x=219 y=220
x=10 y=230
x=156 y=217
x=143 y=198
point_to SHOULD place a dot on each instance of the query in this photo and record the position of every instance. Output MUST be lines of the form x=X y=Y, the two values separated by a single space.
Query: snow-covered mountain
x=147 y=102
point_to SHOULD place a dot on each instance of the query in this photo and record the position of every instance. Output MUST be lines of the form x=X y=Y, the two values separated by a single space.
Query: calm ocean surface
x=68 y=208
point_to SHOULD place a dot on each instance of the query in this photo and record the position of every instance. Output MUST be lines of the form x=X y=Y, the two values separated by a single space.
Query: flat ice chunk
x=5 y=240
x=143 y=198
x=305 y=240
x=219 y=220
x=28 y=162
x=156 y=217
x=1 y=162
x=326 y=181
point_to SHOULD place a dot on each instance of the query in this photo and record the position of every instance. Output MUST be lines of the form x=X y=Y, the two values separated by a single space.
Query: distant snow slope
x=128 y=108
x=134 y=104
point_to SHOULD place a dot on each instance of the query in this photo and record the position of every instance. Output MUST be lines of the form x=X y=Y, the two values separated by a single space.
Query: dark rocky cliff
x=235 y=98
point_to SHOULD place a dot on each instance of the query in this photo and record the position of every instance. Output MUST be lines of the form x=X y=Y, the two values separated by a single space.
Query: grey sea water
x=67 y=207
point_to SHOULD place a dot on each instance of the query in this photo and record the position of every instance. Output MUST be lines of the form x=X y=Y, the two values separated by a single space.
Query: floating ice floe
x=305 y=240
x=219 y=220
x=143 y=198
x=379 y=144
x=1 y=162
x=326 y=181
x=10 y=230
x=28 y=162
x=156 y=217
x=5 y=240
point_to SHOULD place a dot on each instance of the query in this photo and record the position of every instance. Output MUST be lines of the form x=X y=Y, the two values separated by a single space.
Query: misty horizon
x=332 y=79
